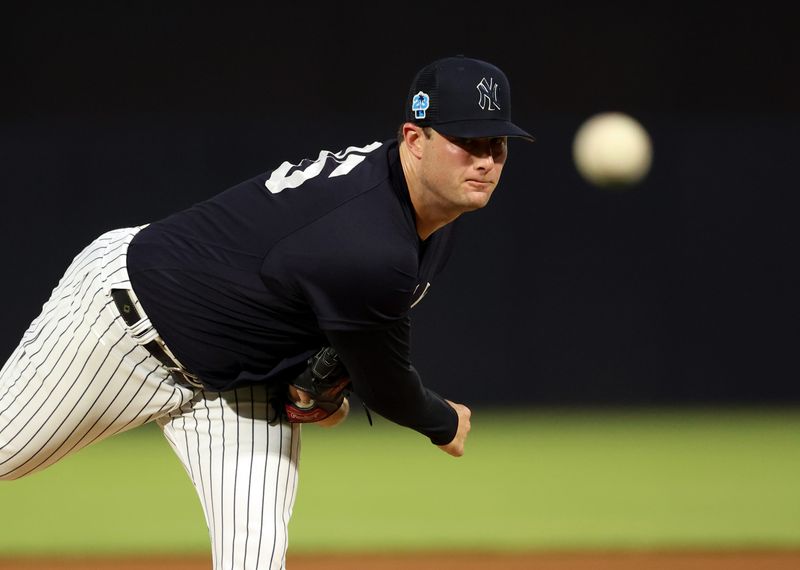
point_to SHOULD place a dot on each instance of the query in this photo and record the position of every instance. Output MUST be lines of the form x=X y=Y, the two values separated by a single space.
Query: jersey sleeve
x=356 y=296
x=385 y=380
x=351 y=270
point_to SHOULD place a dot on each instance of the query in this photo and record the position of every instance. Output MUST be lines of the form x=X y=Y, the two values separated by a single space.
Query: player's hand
x=336 y=417
x=304 y=400
x=456 y=447
x=300 y=397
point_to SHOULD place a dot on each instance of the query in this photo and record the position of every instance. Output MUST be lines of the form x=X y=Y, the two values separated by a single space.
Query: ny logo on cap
x=420 y=104
x=487 y=95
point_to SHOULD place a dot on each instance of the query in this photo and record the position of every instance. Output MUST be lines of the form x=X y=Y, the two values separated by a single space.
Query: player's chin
x=477 y=200
x=478 y=192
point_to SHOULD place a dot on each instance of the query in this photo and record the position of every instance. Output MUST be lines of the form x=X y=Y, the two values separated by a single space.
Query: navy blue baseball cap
x=462 y=97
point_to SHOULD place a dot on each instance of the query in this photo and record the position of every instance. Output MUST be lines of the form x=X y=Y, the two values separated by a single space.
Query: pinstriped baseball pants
x=78 y=376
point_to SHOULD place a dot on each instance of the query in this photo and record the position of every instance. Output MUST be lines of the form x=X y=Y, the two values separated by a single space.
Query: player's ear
x=413 y=136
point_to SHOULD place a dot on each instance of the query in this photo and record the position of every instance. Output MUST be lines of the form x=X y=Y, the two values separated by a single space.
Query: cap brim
x=482 y=129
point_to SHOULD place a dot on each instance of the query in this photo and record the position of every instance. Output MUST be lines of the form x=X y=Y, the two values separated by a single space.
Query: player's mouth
x=480 y=184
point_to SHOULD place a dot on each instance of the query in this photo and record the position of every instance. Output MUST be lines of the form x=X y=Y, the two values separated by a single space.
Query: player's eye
x=498 y=145
x=495 y=145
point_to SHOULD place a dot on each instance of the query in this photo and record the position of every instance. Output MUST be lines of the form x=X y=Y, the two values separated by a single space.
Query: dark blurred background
x=681 y=290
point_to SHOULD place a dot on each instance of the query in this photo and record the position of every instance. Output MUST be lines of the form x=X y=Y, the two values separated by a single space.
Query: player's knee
x=11 y=465
x=11 y=475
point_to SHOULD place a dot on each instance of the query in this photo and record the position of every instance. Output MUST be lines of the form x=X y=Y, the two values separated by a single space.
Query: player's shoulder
x=362 y=240
x=366 y=242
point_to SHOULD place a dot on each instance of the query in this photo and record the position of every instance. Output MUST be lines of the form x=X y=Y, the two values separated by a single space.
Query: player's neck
x=429 y=218
x=429 y=215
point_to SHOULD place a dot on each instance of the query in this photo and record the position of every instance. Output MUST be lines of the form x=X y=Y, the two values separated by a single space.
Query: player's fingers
x=300 y=397
x=464 y=413
x=454 y=448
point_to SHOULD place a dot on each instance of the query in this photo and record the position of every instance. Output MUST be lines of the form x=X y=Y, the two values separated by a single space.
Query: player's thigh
x=86 y=389
x=77 y=377
x=244 y=469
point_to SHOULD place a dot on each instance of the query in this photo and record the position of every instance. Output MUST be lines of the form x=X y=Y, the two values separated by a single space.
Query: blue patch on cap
x=419 y=104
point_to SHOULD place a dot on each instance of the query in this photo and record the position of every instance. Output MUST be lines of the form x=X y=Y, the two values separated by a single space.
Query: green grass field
x=531 y=479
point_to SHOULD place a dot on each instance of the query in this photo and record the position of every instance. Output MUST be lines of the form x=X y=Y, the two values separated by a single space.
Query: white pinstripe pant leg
x=245 y=472
x=77 y=377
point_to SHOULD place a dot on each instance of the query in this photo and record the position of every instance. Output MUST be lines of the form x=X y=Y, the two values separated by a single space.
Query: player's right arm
x=382 y=375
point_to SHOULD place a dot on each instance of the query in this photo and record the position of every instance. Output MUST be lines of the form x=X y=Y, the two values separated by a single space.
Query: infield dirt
x=750 y=560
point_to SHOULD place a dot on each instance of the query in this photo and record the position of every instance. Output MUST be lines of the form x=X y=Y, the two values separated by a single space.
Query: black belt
x=127 y=310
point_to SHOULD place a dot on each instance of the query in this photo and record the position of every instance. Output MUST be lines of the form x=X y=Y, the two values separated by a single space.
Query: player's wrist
x=336 y=417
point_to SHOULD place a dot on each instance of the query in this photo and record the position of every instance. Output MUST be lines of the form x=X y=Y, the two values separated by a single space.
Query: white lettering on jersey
x=421 y=295
x=280 y=179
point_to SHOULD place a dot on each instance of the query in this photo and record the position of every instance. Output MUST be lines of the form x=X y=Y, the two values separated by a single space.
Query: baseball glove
x=326 y=380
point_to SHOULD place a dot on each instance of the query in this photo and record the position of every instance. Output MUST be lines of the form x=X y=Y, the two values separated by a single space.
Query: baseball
x=612 y=150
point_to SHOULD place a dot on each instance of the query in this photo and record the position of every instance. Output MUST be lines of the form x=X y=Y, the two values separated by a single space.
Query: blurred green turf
x=531 y=479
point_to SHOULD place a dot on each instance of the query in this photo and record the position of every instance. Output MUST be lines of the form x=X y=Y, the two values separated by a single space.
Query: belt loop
x=144 y=331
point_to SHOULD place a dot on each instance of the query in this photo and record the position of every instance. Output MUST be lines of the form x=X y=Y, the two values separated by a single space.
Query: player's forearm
x=385 y=380
x=406 y=402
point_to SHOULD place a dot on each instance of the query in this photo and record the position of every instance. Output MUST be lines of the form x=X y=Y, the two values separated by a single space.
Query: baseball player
x=237 y=320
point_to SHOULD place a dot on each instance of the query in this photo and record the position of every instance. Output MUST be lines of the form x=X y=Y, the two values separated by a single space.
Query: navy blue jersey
x=283 y=263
